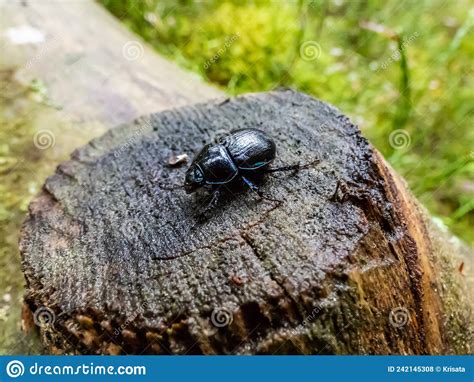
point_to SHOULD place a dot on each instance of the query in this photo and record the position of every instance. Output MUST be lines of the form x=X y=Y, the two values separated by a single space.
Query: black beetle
x=245 y=150
x=239 y=155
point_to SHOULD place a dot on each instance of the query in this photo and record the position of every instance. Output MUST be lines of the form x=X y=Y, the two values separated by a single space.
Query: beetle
x=239 y=156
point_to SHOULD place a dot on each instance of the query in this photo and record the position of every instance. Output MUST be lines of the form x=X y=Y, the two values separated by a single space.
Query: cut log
x=348 y=263
x=97 y=75
x=102 y=73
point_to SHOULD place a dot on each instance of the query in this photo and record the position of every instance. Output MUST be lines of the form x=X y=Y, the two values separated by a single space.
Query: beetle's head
x=194 y=178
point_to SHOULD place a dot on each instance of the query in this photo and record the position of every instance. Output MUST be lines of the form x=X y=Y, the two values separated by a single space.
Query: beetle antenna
x=294 y=167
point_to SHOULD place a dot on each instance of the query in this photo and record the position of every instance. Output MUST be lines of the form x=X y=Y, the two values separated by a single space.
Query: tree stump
x=348 y=263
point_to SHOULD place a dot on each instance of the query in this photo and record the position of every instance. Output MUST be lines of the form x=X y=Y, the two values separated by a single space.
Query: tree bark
x=348 y=263
x=92 y=74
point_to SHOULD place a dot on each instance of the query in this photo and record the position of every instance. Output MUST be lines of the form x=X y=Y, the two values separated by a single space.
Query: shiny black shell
x=245 y=150
x=250 y=149
x=216 y=164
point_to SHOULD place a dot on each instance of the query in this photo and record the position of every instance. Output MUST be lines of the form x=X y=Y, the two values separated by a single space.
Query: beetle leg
x=212 y=201
x=341 y=192
x=259 y=192
x=294 y=167
x=251 y=185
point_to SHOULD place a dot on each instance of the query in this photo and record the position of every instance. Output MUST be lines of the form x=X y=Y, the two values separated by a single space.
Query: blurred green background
x=402 y=70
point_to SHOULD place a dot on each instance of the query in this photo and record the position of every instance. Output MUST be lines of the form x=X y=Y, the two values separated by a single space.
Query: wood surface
x=347 y=263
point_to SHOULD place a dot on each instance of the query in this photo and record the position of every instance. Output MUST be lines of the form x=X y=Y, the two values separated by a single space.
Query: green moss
x=426 y=91
x=34 y=138
x=20 y=181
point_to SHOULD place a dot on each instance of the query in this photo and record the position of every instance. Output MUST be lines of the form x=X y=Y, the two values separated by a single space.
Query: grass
x=402 y=70
x=23 y=169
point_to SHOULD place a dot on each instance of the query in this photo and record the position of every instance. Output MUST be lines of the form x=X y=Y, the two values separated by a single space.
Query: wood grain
x=348 y=269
